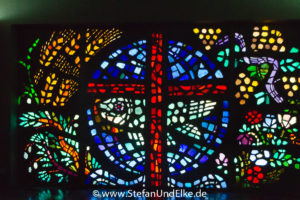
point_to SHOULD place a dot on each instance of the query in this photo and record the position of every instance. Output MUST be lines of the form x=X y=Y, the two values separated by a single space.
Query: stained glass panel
x=196 y=106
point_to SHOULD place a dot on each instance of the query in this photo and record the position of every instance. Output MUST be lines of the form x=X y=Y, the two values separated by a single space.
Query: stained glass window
x=197 y=106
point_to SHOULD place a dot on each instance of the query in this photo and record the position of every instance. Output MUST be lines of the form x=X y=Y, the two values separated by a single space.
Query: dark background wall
x=110 y=12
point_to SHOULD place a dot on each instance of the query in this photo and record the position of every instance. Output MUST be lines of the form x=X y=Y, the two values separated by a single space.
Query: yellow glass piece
x=218 y=31
x=215 y=37
x=290 y=94
x=201 y=36
x=255 y=83
x=77 y=59
x=246 y=96
x=48 y=79
x=284 y=79
x=72 y=52
x=295 y=87
x=242 y=102
x=60 y=40
x=43 y=93
x=47 y=52
x=255 y=34
x=49 y=95
x=207 y=47
x=196 y=30
x=265 y=28
x=73 y=42
x=263 y=40
x=282 y=49
x=207 y=37
x=242 y=75
x=247 y=80
x=279 y=40
x=278 y=33
x=260 y=46
x=273 y=31
x=269 y=135
x=293 y=80
x=242 y=88
x=88 y=48
x=211 y=31
x=264 y=34
x=250 y=89
x=286 y=86
x=271 y=40
x=238 y=82
x=275 y=48
x=67 y=49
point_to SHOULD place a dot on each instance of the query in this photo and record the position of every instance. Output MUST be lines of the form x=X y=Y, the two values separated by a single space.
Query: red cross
x=155 y=104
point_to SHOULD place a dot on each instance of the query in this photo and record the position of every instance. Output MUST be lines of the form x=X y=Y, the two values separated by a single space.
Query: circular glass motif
x=194 y=116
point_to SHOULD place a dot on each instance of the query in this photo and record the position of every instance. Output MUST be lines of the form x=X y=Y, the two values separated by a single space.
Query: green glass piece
x=237 y=48
x=294 y=50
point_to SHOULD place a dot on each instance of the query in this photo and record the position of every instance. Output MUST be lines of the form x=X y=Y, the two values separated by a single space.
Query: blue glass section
x=202 y=73
x=223 y=130
x=140 y=167
x=192 y=61
x=225 y=104
x=184 y=77
x=183 y=148
x=97 y=74
x=218 y=74
x=203 y=159
x=127 y=157
x=211 y=127
x=114 y=149
x=189 y=169
x=194 y=64
x=192 y=152
x=97 y=139
x=118 y=61
x=178 y=166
